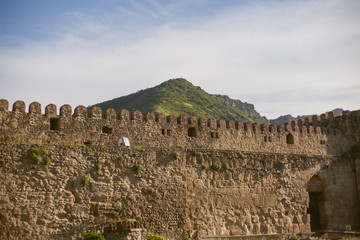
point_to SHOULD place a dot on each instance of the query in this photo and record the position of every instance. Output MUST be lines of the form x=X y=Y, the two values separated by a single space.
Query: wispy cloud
x=275 y=54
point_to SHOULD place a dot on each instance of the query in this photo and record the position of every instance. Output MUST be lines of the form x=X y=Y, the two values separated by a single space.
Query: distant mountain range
x=289 y=118
x=180 y=97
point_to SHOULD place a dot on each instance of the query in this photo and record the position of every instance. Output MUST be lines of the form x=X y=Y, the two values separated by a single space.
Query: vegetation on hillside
x=179 y=97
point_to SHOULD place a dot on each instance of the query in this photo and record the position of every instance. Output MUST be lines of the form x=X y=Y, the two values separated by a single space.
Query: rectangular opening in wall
x=213 y=135
x=265 y=139
x=164 y=132
x=192 y=132
x=269 y=139
x=54 y=123
x=168 y=119
x=290 y=139
x=107 y=130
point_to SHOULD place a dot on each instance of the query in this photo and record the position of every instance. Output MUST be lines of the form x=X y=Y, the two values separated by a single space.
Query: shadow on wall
x=334 y=197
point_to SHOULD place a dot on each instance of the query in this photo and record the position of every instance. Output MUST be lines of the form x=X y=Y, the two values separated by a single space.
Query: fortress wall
x=321 y=135
x=178 y=197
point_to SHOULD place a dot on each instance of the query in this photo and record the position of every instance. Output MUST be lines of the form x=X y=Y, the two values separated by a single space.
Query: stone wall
x=322 y=135
x=181 y=192
x=51 y=202
x=63 y=173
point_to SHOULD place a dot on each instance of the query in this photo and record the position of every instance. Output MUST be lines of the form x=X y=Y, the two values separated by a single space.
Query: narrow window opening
x=265 y=139
x=54 y=123
x=289 y=139
x=87 y=143
x=269 y=139
x=165 y=132
x=214 y=135
x=107 y=130
x=192 y=132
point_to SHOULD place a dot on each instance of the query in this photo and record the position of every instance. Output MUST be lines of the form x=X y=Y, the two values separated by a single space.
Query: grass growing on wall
x=38 y=155
x=85 y=181
x=93 y=236
x=137 y=168
x=152 y=236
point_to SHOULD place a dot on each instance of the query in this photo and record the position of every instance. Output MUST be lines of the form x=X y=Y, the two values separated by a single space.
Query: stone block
x=35 y=108
x=257 y=228
x=4 y=105
x=96 y=113
x=18 y=106
x=51 y=110
x=65 y=111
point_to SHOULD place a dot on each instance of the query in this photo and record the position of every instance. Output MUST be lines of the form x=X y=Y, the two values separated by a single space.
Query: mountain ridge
x=288 y=118
x=180 y=97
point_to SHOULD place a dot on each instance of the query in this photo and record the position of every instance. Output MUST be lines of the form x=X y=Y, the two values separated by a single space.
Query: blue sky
x=295 y=56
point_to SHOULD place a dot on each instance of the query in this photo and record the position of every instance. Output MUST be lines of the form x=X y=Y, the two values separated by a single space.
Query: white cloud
x=297 y=57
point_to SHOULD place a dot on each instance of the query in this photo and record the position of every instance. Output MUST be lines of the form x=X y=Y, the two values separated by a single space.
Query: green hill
x=180 y=97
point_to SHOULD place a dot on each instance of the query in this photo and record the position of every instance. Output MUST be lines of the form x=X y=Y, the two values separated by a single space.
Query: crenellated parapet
x=324 y=134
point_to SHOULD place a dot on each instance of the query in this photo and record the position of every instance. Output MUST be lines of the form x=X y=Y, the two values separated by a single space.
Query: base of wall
x=330 y=234
x=276 y=236
x=129 y=235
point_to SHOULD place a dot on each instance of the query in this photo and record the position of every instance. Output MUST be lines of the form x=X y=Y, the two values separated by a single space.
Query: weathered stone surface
x=170 y=197
x=196 y=181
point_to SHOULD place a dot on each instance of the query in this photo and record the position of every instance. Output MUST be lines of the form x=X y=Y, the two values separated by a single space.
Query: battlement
x=305 y=136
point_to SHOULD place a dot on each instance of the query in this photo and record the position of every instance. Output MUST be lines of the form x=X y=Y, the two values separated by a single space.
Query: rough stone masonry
x=66 y=173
